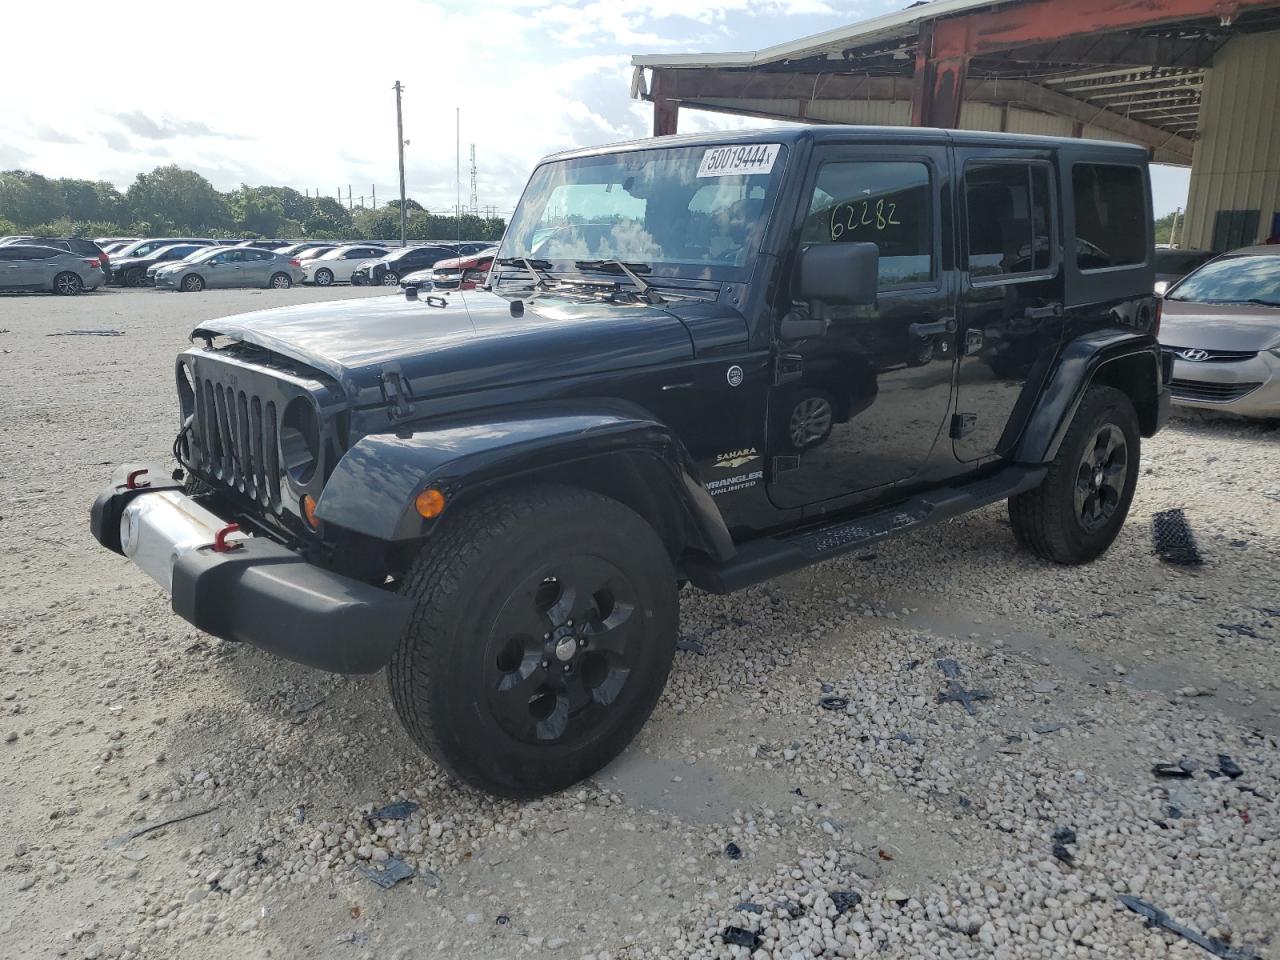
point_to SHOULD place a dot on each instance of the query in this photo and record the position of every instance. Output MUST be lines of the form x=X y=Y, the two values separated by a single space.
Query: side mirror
x=1161 y=287
x=844 y=274
x=797 y=325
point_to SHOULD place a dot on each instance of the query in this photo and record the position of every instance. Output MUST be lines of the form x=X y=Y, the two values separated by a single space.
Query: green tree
x=29 y=199
x=328 y=219
x=257 y=211
x=179 y=200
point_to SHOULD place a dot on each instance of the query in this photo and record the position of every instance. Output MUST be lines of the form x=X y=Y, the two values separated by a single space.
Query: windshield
x=313 y=253
x=695 y=212
x=1249 y=279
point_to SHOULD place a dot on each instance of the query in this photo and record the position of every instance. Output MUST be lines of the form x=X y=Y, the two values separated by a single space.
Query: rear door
x=859 y=409
x=258 y=267
x=1011 y=296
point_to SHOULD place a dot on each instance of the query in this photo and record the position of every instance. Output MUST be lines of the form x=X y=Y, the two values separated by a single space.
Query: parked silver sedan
x=230 y=267
x=31 y=267
x=1222 y=325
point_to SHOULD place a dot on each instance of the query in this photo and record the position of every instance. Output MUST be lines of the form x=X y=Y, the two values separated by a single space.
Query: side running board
x=769 y=557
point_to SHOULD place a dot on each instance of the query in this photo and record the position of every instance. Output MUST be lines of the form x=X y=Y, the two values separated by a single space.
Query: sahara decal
x=733 y=484
x=736 y=458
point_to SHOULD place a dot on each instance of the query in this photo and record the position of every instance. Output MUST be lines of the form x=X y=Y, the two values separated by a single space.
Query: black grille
x=236 y=440
x=1216 y=356
x=1211 y=392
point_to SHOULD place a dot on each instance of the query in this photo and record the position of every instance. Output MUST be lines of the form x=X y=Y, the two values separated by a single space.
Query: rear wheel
x=192 y=283
x=324 y=277
x=544 y=629
x=67 y=284
x=1077 y=512
x=281 y=281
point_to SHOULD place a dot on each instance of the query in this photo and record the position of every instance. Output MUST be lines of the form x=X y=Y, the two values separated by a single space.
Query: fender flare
x=1080 y=362
x=372 y=489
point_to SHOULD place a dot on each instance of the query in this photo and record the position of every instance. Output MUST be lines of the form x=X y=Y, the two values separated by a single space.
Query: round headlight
x=300 y=440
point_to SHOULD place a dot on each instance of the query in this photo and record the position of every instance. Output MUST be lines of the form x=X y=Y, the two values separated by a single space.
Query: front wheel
x=67 y=284
x=281 y=281
x=1077 y=512
x=192 y=283
x=324 y=277
x=390 y=279
x=544 y=629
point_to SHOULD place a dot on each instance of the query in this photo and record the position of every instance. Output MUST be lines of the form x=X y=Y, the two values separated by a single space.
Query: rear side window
x=888 y=203
x=1111 y=227
x=1010 y=216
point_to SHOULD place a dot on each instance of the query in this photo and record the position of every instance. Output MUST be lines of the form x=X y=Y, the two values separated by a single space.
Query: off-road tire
x=466 y=580
x=1046 y=520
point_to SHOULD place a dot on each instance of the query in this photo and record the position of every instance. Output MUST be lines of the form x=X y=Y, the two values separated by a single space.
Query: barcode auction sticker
x=745 y=158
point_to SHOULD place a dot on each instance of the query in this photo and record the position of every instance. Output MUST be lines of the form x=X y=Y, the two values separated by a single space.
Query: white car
x=337 y=265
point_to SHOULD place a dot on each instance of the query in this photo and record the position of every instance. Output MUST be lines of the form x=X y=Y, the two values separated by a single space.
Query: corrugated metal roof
x=900 y=24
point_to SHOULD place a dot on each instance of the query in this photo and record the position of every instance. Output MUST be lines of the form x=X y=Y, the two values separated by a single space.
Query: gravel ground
x=747 y=811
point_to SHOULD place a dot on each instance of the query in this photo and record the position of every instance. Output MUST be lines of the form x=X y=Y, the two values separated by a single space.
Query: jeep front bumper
x=257 y=591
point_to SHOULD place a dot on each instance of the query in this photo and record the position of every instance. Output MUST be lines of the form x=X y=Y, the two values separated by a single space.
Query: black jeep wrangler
x=711 y=359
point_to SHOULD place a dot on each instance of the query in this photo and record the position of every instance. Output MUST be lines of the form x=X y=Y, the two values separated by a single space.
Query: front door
x=860 y=408
x=1011 y=295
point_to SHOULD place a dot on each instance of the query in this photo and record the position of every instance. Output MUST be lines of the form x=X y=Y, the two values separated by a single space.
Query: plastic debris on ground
x=87 y=333
x=689 y=645
x=1168 y=771
x=394 y=811
x=845 y=900
x=392 y=872
x=955 y=693
x=1156 y=917
x=833 y=703
x=747 y=907
x=738 y=937
x=1229 y=767
x=1174 y=541
x=733 y=851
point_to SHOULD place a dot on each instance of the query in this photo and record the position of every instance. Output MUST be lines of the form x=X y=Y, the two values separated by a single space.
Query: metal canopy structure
x=1113 y=69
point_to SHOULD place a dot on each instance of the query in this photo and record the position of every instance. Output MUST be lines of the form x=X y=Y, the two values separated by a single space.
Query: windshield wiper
x=630 y=271
x=533 y=267
x=1264 y=303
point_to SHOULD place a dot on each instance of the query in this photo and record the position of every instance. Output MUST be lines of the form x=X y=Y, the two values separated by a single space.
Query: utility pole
x=373 y=188
x=399 y=88
x=457 y=170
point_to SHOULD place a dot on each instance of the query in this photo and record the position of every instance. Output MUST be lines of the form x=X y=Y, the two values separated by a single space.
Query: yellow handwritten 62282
x=862 y=214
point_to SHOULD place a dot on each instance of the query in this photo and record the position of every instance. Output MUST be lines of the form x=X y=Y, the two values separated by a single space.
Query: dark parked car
x=389 y=269
x=133 y=271
x=1173 y=265
x=229 y=267
x=495 y=494
x=142 y=248
x=1221 y=328
x=26 y=266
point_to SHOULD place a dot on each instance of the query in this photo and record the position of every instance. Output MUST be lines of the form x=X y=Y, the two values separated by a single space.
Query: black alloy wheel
x=1100 y=479
x=67 y=284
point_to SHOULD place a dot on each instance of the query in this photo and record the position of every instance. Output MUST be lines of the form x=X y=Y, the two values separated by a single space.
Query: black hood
x=474 y=341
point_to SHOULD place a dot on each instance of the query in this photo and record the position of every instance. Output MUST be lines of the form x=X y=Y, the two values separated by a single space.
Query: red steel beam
x=1046 y=21
x=938 y=91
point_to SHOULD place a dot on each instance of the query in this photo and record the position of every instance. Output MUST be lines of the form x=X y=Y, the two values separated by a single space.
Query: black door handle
x=1052 y=311
x=945 y=325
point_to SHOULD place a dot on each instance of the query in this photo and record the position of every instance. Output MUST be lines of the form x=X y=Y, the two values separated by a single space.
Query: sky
x=299 y=94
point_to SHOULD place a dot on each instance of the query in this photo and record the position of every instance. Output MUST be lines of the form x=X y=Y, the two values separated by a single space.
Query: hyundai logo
x=1195 y=355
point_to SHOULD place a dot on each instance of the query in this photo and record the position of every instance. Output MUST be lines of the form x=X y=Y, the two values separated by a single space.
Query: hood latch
x=395 y=390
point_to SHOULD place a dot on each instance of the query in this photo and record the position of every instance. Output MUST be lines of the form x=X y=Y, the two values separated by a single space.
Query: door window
x=888 y=203
x=1111 y=216
x=1009 y=215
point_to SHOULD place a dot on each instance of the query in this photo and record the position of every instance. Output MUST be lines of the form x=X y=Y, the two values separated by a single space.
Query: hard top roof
x=849 y=133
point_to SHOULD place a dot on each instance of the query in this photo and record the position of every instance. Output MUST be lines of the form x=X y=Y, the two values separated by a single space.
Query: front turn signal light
x=309 y=511
x=429 y=503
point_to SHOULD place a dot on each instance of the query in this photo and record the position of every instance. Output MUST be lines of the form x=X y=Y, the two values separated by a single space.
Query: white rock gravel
x=117 y=715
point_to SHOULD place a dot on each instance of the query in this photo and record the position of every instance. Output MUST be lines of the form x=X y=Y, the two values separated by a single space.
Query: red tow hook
x=131 y=481
x=220 y=544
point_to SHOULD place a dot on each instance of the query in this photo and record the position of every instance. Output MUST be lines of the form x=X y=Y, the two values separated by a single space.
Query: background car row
x=194 y=263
